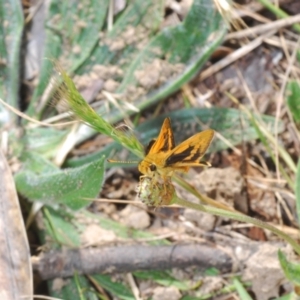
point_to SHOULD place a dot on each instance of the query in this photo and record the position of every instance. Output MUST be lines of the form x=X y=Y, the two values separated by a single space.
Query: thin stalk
x=51 y=225
x=79 y=289
x=278 y=12
x=188 y=187
x=265 y=137
x=238 y=217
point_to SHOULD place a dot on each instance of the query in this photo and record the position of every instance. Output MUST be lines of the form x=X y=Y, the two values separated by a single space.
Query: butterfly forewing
x=165 y=141
x=189 y=152
x=149 y=146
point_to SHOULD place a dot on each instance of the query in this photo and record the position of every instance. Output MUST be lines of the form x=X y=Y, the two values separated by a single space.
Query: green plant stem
x=241 y=289
x=188 y=187
x=278 y=12
x=238 y=217
x=51 y=225
x=268 y=148
x=267 y=138
x=79 y=289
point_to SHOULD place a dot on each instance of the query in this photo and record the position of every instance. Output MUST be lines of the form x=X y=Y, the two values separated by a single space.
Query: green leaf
x=293 y=99
x=164 y=278
x=75 y=288
x=179 y=44
x=68 y=187
x=297 y=190
x=212 y=272
x=291 y=270
x=36 y=163
x=64 y=229
x=241 y=290
x=11 y=29
x=233 y=124
x=108 y=151
x=69 y=26
x=201 y=37
x=290 y=296
x=59 y=226
x=117 y=289
x=188 y=44
x=44 y=140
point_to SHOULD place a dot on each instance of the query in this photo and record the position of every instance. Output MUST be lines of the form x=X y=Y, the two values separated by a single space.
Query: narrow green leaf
x=68 y=27
x=11 y=29
x=59 y=226
x=179 y=44
x=291 y=270
x=75 y=288
x=293 y=96
x=88 y=115
x=164 y=278
x=241 y=290
x=280 y=13
x=68 y=187
x=212 y=272
x=117 y=289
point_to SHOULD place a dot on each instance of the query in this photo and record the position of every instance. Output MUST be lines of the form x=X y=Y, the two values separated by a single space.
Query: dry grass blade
x=275 y=25
x=232 y=57
x=15 y=273
x=280 y=102
x=24 y=116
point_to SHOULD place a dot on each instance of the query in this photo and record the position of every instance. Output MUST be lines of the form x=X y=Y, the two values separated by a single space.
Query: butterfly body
x=155 y=165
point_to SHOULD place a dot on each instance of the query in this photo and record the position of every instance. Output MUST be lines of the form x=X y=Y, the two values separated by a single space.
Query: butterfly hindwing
x=190 y=152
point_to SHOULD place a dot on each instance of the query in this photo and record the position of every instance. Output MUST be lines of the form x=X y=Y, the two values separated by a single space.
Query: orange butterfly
x=163 y=158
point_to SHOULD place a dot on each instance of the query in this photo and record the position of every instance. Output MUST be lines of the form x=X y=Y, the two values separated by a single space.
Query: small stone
x=166 y=293
x=135 y=217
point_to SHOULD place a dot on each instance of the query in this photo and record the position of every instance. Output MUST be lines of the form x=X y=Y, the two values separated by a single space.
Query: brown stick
x=120 y=259
x=15 y=268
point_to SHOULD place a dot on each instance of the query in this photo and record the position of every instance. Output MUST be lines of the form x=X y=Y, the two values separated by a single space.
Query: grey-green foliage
x=69 y=186
x=11 y=28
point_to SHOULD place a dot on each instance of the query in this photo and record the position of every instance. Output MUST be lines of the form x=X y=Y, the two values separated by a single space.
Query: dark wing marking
x=184 y=156
x=165 y=140
x=191 y=150
x=149 y=146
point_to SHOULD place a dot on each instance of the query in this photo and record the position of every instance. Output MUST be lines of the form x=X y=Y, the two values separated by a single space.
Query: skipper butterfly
x=163 y=158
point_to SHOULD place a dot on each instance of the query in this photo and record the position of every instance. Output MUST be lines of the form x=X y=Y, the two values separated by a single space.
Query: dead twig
x=124 y=259
x=274 y=25
x=234 y=56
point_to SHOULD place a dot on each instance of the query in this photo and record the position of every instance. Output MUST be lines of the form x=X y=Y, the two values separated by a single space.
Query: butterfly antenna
x=123 y=161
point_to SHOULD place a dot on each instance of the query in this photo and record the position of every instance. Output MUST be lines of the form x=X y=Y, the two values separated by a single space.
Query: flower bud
x=154 y=193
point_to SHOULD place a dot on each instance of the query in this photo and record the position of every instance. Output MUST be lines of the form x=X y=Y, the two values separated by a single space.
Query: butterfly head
x=147 y=168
